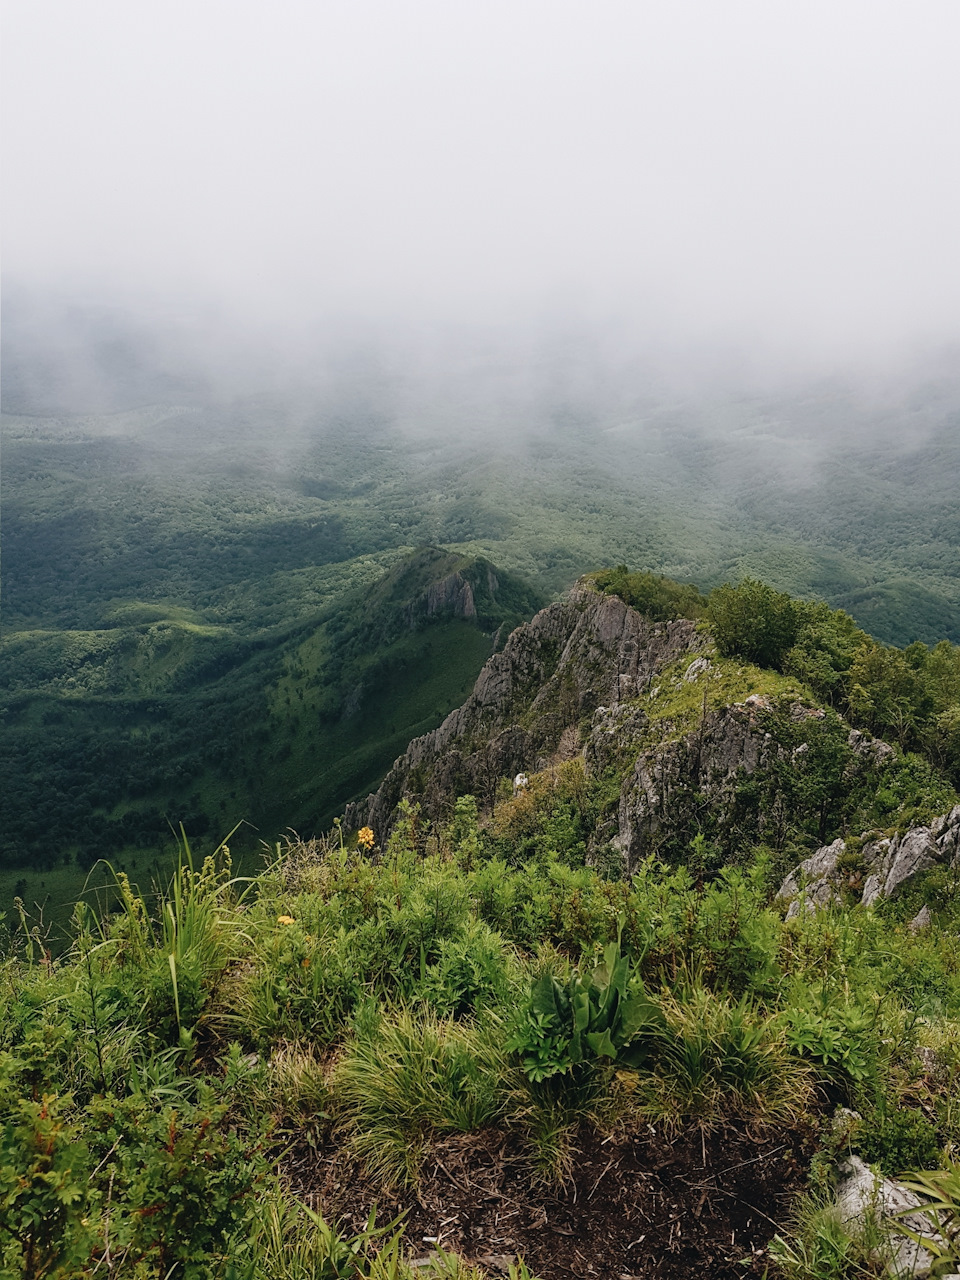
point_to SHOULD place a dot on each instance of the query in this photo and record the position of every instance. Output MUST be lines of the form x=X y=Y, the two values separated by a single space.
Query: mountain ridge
x=693 y=750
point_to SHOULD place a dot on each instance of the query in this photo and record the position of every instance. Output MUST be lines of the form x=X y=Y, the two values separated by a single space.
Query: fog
x=749 y=186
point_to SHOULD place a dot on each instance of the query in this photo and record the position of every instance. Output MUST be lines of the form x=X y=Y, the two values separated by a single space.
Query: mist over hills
x=169 y=456
x=194 y=527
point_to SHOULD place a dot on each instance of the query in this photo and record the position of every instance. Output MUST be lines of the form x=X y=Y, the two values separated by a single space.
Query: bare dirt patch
x=639 y=1205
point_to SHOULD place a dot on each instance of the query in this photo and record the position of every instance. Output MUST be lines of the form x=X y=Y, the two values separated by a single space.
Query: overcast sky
x=778 y=169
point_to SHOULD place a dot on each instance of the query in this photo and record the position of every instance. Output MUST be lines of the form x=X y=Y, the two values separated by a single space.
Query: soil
x=635 y=1205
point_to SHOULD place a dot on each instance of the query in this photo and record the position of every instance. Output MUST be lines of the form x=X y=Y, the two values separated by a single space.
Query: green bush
x=44 y=1194
x=753 y=621
x=566 y=1027
x=653 y=595
x=896 y=1138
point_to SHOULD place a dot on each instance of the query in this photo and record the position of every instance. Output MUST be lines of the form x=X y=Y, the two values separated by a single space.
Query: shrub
x=44 y=1168
x=753 y=621
x=182 y=1183
x=565 y=1027
x=657 y=597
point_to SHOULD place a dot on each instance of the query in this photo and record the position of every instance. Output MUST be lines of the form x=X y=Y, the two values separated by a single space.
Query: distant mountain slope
x=111 y=735
x=222 y=507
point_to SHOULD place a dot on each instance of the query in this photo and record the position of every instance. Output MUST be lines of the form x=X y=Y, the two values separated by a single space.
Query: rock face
x=589 y=676
x=452 y=594
x=880 y=869
x=589 y=650
x=703 y=766
x=863 y=1194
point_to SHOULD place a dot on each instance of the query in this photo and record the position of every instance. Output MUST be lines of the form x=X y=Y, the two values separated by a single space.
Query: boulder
x=886 y=866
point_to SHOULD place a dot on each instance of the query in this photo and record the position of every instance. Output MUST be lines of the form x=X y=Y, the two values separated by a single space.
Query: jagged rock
x=452 y=594
x=574 y=656
x=814 y=878
x=946 y=831
x=584 y=677
x=666 y=781
x=922 y=920
x=906 y=855
x=874 y=750
x=863 y=1194
x=887 y=864
x=696 y=668
x=615 y=733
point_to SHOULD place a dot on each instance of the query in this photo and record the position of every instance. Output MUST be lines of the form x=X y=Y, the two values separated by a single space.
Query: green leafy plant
x=44 y=1194
x=839 y=1036
x=181 y=1182
x=939 y=1191
x=606 y=1015
x=896 y=1137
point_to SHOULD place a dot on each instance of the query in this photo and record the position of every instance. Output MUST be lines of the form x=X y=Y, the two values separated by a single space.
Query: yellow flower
x=365 y=837
x=285 y=920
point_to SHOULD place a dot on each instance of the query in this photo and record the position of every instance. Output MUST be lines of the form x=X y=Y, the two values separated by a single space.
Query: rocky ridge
x=586 y=652
x=588 y=676
x=878 y=869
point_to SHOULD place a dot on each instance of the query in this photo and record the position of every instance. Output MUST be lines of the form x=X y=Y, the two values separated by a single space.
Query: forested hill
x=115 y=735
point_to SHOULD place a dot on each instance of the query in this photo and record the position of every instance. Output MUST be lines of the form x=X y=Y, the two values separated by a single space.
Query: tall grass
x=415 y=1076
x=720 y=1059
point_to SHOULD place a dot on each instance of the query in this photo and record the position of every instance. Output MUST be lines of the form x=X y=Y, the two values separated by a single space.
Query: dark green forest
x=114 y=738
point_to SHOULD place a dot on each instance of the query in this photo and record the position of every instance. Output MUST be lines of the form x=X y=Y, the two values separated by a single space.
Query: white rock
x=863 y=1194
x=921 y=920
x=696 y=667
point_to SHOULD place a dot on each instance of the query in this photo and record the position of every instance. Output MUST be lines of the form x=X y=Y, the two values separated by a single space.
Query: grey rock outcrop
x=879 y=871
x=676 y=780
x=863 y=1194
x=815 y=881
x=730 y=742
x=452 y=594
x=587 y=651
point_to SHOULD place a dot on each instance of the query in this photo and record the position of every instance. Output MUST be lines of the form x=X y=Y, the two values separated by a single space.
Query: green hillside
x=355 y=1064
x=114 y=737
